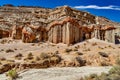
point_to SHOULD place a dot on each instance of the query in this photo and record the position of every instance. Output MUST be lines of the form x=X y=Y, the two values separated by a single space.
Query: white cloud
x=110 y=7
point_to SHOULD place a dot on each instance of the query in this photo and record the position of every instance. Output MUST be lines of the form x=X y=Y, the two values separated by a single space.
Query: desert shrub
x=0 y=63
x=15 y=48
x=55 y=60
x=75 y=49
x=9 y=50
x=100 y=47
x=103 y=54
x=118 y=61
x=3 y=41
x=109 y=46
x=94 y=44
x=81 y=61
x=18 y=56
x=10 y=61
x=37 y=58
x=2 y=59
x=32 y=44
x=44 y=55
x=87 y=49
x=68 y=50
x=113 y=74
x=56 y=52
x=12 y=74
x=93 y=76
x=114 y=77
x=104 y=63
x=79 y=53
x=2 y=50
x=30 y=56
x=115 y=70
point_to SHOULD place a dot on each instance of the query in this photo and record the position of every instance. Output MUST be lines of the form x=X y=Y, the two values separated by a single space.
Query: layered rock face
x=112 y=35
x=59 y=25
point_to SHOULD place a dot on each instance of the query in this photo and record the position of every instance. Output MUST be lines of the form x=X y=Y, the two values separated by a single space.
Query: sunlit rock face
x=59 y=25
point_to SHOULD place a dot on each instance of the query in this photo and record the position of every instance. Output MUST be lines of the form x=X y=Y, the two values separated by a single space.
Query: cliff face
x=62 y=24
x=113 y=35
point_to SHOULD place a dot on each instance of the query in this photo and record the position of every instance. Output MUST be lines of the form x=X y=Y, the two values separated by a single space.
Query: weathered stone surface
x=59 y=25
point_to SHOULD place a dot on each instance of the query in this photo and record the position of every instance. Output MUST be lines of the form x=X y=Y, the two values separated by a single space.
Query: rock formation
x=59 y=25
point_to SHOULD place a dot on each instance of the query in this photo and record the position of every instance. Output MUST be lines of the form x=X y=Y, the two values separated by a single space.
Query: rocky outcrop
x=59 y=25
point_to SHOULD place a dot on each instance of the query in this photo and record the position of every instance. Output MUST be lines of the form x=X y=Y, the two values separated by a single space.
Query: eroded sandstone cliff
x=59 y=25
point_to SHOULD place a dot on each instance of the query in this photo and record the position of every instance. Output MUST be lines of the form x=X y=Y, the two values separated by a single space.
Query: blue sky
x=107 y=8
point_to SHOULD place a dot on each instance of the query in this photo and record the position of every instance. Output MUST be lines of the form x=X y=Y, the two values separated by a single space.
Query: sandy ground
x=37 y=48
x=65 y=73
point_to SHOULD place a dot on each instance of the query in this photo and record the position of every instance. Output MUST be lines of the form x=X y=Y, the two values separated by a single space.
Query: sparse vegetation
x=79 y=53
x=94 y=44
x=75 y=49
x=12 y=74
x=113 y=74
x=18 y=56
x=30 y=56
x=68 y=50
x=2 y=59
x=9 y=50
x=3 y=41
x=37 y=58
x=104 y=63
x=100 y=47
x=44 y=55
x=103 y=54
x=118 y=61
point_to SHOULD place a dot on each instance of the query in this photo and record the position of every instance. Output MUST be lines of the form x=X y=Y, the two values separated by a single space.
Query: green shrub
x=115 y=70
x=12 y=74
x=113 y=74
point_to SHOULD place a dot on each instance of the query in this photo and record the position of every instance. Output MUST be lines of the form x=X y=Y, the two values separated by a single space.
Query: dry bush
x=2 y=59
x=80 y=61
x=104 y=63
x=109 y=46
x=3 y=41
x=94 y=44
x=68 y=50
x=87 y=49
x=118 y=61
x=113 y=74
x=0 y=63
x=15 y=48
x=75 y=49
x=84 y=44
x=79 y=53
x=32 y=44
x=103 y=54
x=100 y=47
x=56 y=52
x=2 y=50
x=55 y=59
x=18 y=56
x=12 y=74
x=30 y=56
x=37 y=58
x=44 y=55
x=9 y=50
